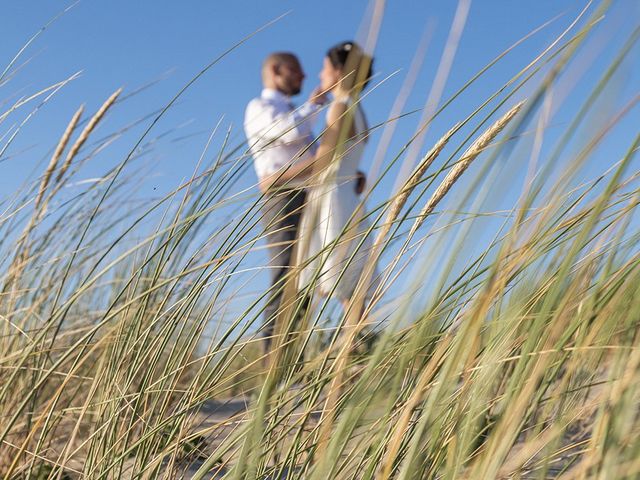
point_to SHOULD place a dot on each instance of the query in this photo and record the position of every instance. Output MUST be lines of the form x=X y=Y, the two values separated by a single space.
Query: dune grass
x=121 y=327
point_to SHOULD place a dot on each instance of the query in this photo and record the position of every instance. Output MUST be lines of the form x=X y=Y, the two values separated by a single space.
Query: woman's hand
x=318 y=96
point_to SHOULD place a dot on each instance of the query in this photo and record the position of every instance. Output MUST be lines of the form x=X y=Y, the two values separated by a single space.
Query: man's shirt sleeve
x=266 y=123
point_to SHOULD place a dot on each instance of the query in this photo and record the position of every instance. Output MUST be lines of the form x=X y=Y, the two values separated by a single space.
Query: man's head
x=282 y=71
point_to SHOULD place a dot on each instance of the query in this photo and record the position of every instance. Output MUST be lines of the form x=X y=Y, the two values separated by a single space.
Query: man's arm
x=264 y=124
x=313 y=164
x=336 y=120
x=300 y=170
x=267 y=123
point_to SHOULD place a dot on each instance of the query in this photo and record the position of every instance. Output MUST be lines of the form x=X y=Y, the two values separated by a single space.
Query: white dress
x=333 y=224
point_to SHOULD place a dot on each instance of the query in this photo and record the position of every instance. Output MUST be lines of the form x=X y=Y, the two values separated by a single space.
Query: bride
x=334 y=247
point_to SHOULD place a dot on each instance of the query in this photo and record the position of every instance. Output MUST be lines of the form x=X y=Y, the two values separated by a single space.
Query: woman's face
x=329 y=75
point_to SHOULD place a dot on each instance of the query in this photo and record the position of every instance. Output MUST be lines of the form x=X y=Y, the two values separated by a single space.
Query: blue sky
x=123 y=43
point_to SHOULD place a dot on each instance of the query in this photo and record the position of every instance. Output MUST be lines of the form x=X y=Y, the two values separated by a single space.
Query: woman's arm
x=338 y=121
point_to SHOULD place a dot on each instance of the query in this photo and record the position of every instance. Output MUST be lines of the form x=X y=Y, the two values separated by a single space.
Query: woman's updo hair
x=348 y=56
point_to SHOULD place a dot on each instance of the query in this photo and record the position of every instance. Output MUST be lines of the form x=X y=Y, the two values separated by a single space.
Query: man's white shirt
x=278 y=135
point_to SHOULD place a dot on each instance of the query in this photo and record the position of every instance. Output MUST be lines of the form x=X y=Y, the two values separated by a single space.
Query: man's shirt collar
x=273 y=94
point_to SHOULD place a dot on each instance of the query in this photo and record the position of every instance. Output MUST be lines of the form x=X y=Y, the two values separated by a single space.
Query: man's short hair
x=278 y=58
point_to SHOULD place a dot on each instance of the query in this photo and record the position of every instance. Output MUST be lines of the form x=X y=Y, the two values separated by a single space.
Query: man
x=280 y=140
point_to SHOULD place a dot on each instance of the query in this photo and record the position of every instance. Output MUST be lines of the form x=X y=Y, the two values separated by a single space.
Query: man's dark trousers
x=281 y=215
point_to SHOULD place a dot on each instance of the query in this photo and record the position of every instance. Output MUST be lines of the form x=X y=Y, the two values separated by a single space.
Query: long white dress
x=334 y=246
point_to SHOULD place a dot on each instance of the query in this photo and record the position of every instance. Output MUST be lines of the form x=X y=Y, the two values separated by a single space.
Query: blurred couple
x=311 y=184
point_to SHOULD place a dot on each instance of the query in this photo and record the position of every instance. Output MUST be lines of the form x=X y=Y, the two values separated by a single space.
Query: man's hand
x=318 y=96
x=361 y=182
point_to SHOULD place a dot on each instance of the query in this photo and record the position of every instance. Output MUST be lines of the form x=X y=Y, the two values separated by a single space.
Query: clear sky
x=123 y=43
x=128 y=43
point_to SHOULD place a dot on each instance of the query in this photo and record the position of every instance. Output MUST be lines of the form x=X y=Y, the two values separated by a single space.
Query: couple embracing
x=311 y=184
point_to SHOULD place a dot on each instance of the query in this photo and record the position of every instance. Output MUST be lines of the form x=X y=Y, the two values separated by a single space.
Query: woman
x=333 y=247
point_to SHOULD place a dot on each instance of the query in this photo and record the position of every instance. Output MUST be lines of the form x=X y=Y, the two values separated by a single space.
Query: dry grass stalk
x=72 y=153
x=22 y=250
x=412 y=182
x=402 y=425
x=62 y=144
x=352 y=325
x=355 y=318
x=86 y=132
x=469 y=156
